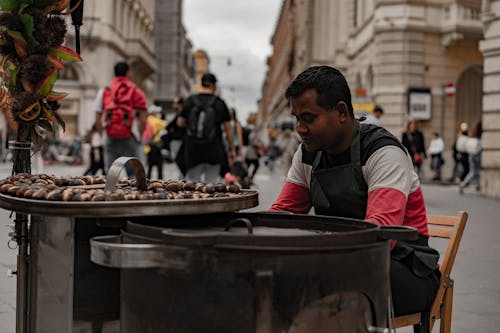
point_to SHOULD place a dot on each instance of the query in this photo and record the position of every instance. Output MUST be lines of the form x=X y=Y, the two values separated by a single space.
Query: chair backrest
x=451 y=227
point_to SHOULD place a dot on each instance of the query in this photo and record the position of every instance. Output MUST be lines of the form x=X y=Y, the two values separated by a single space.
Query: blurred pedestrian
x=435 y=150
x=252 y=147
x=374 y=117
x=121 y=100
x=237 y=133
x=237 y=130
x=413 y=140
x=94 y=138
x=175 y=134
x=203 y=154
x=273 y=153
x=155 y=129
x=473 y=149
x=462 y=155
x=288 y=143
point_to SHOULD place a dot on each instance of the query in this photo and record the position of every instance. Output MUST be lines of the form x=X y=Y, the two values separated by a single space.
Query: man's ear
x=343 y=110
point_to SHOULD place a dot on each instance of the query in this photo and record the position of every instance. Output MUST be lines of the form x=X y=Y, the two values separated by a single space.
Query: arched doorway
x=469 y=96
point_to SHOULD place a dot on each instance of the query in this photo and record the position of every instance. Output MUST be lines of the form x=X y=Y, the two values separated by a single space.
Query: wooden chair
x=452 y=228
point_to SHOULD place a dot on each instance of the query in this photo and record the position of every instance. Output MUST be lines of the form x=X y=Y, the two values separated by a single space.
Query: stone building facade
x=272 y=105
x=175 y=63
x=113 y=30
x=391 y=49
x=201 y=66
x=490 y=46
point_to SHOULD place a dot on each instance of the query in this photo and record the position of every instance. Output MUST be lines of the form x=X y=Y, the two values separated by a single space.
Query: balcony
x=461 y=20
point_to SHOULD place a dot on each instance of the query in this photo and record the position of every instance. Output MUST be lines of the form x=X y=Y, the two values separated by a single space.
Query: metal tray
x=129 y=208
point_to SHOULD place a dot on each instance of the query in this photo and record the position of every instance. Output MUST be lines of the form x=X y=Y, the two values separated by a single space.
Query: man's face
x=319 y=129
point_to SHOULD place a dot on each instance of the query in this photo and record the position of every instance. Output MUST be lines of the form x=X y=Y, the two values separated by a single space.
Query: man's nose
x=300 y=127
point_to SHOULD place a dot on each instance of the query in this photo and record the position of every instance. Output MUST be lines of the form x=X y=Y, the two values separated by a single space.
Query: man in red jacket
x=344 y=168
x=120 y=101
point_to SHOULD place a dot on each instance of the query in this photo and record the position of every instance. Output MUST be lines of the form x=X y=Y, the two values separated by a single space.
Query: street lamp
x=76 y=8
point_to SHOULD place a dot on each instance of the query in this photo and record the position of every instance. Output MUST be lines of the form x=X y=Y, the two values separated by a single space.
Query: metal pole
x=76 y=7
x=443 y=103
x=22 y=295
x=21 y=164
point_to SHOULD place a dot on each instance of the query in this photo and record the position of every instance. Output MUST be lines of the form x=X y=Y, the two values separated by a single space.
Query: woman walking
x=413 y=140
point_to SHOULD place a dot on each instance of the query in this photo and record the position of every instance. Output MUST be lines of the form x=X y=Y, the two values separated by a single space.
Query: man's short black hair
x=208 y=80
x=121 y=69
x=378 y=108
x=328 y=82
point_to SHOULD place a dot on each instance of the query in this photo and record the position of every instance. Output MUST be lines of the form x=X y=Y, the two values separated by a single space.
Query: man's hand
x=141 y=118
x=98 y=121
x=232 y=157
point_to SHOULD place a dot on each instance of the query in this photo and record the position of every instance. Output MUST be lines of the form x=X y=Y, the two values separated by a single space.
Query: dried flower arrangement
x=31 y=54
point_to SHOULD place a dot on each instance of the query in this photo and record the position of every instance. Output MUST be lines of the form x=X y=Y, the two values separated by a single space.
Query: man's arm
x=390 y=177
x=295 y=196
x=239 y=132
x=98 y=121
x=230 y=139
x=98 y=107
x=141 y=121
x=140 y=105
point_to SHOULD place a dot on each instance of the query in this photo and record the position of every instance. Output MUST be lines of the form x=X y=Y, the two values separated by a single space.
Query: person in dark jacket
x=413 y=140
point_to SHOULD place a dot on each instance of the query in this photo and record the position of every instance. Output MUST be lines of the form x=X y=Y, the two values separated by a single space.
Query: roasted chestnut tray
x=245 y=199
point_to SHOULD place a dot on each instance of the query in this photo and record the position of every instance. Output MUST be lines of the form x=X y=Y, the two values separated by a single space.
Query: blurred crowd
x=466 y=157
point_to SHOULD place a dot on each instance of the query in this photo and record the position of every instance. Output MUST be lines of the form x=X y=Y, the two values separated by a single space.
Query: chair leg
x=446 y=310
x=424 y=326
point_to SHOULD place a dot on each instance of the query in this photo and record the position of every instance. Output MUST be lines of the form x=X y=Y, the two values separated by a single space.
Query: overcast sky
x=240 y=31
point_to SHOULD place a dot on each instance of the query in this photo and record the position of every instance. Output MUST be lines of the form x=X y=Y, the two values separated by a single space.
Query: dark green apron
x=342 y=191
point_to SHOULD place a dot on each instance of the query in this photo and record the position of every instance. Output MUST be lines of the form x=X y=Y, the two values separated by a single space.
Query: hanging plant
x=31 y=54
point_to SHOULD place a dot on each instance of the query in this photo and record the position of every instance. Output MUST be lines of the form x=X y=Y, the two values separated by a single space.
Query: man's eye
x=307 y=118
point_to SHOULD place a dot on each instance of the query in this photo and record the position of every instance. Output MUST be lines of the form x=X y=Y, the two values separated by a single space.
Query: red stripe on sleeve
x=293 y=198
x=386 y=206
x=416 y=215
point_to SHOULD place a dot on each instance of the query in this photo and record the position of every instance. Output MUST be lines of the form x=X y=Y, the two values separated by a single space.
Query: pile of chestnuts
x=46 y=187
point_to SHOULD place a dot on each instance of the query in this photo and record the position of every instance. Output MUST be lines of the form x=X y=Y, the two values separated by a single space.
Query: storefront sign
x=419 y=103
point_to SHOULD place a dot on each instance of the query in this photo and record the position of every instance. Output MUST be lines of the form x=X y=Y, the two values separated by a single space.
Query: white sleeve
x=98 y=100
x=390 y=167
x=299 y=172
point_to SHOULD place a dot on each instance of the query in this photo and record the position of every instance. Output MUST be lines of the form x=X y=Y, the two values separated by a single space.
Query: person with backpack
x=120 y=101
x=203 y=154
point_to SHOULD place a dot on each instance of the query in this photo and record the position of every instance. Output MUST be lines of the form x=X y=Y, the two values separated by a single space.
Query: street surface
x=476 y=270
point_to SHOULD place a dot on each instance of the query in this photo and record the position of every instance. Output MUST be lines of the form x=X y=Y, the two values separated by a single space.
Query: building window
x=472 y=14
x=446 y=13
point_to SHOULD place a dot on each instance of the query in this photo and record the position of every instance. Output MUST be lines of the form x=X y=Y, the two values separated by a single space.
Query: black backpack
x=246 y=136
x=201 y=121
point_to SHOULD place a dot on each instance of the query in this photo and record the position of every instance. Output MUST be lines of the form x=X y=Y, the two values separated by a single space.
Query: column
x=490 y=47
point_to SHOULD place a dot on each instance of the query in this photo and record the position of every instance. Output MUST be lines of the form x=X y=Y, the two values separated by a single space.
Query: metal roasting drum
x=251 y=273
